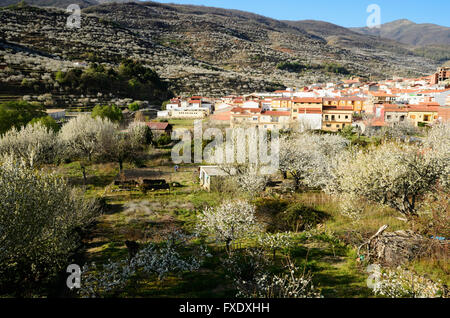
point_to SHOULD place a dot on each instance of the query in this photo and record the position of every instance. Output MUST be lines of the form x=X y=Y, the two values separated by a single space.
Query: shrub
x=111 y=112
x=299 y=218
x=293 y=67
x=163 y=140
x=41 y=218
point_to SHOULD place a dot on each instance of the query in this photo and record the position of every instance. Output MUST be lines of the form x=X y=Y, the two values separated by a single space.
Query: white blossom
x=230 y=221
x=34 y=144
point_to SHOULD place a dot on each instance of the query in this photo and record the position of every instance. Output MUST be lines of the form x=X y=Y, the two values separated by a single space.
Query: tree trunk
x=120 y=166
x=83 y=170
x=228 y=248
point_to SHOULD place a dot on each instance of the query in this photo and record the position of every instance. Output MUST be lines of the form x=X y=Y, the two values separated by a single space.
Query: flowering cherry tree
x=84 y=136
x=402 y=283
x=162 y=260
x=250 y=274
x=393 y=175
x=126 y=146
x=230 y=221
x=40 y=216
x=276 y=241
x=309 y=157
x=33 y=144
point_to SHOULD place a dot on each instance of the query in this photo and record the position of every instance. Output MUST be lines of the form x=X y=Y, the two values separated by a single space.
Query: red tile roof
x=158 y=125
x=309 y=100
x=276 y=113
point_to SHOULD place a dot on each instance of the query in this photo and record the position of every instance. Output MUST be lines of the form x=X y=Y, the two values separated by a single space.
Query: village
x=331 y=107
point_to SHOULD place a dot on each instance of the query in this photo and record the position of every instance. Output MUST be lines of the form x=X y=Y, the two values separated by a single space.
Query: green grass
x=329 y=253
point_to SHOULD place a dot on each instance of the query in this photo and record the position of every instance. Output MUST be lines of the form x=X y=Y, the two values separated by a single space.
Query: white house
x=250 y=104
x=56 y=114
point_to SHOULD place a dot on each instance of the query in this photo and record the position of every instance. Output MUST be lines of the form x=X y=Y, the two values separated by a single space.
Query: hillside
x=346 y=38
x=60 y=3
x=199 y=49
x=408 y=32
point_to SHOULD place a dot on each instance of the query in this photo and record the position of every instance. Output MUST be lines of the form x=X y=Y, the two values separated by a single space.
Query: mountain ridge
x=210 y=50
x=411 y=33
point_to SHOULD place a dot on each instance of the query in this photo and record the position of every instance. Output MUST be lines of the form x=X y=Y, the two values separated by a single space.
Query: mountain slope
x=344 y=37
x=60 y=3
x=209 y=50
x=411 y=33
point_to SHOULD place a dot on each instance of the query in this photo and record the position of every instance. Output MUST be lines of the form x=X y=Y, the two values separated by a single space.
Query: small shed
x=160 y=128
x=211 y=177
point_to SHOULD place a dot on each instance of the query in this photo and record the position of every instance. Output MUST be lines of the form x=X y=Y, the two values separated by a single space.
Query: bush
x=134 y=106
x=299 y=218
x=163 y=140
x=131 y=80
x=18 y=114
x=111 y=112
x=48 y=122
x=41 y=220
x=292 y=67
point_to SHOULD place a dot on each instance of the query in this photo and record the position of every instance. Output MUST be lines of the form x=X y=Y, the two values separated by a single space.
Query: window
x=326 y=117
x=389 y=117
x=333 y=117
x=328 y=125
x=346 y=117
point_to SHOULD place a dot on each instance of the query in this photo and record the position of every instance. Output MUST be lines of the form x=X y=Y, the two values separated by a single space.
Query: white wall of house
x=163 y=114
x=220 y=106
x=442 y=98
x=250 y=104
x=172 y=106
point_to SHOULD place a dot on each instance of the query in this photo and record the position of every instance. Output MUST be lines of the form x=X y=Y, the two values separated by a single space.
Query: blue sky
x=347 y=13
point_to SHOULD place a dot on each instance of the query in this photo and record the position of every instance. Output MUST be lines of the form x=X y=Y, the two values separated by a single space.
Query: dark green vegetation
x=438 y=53
x=111 y=112
x=19 y=113
x=47 y=122
x=295 y=67
x=131 y=79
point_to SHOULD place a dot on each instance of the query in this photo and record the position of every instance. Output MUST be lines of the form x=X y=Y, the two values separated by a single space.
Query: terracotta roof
x=276 y=113
x=382 y=94
x=422 y=108
x=158 y=125
x=246 y=110
x=307 y=100
x=309 y=111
